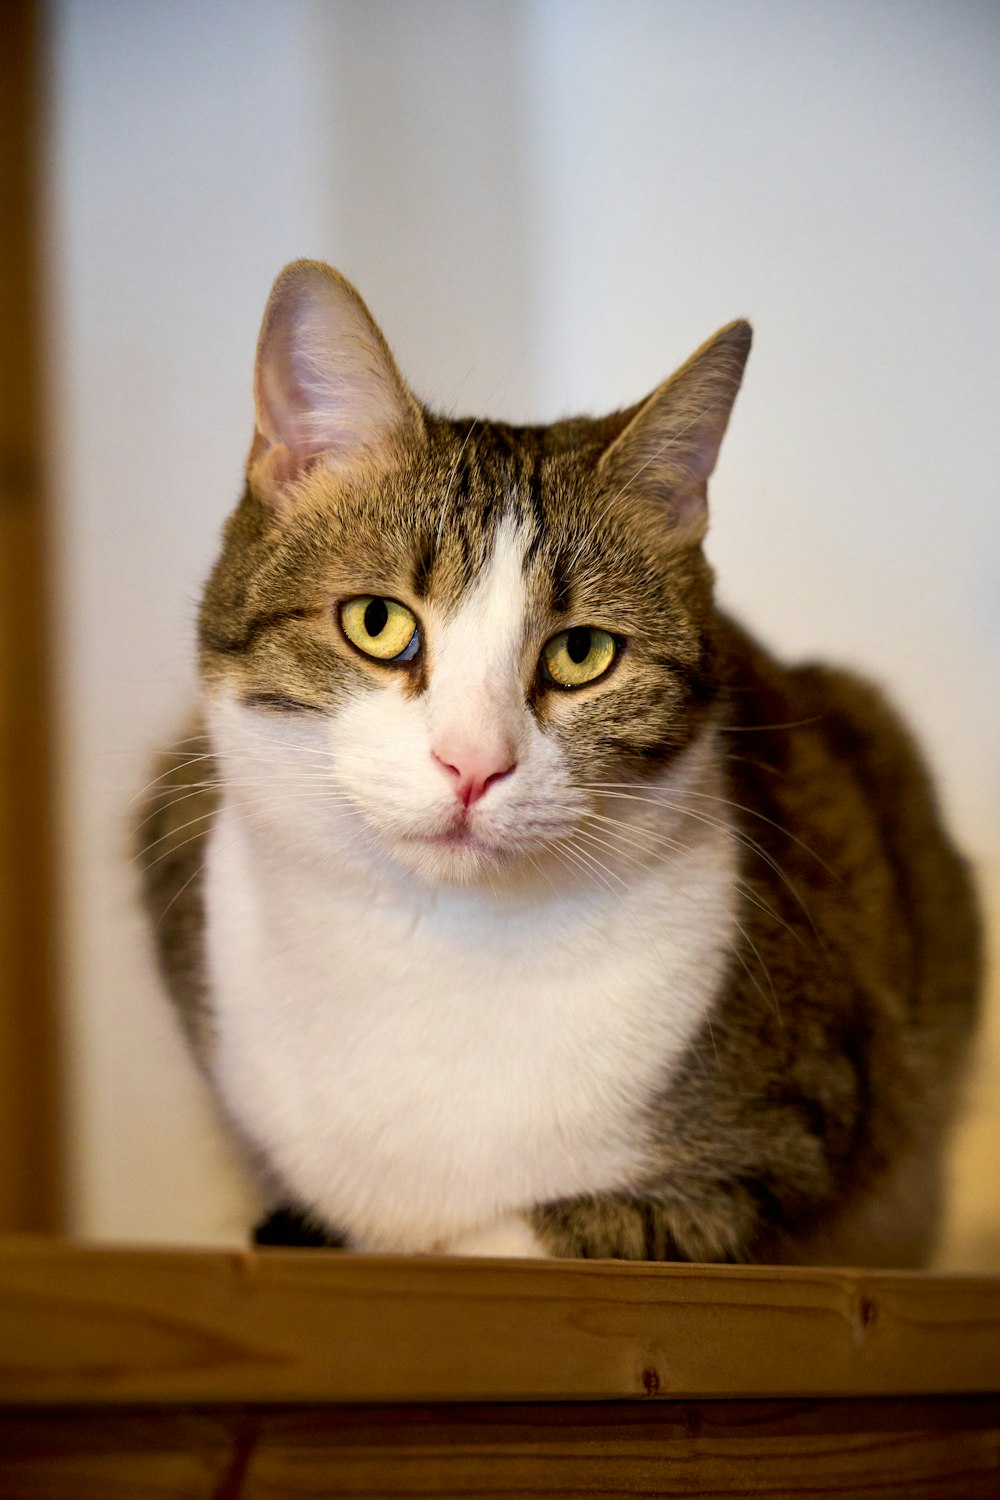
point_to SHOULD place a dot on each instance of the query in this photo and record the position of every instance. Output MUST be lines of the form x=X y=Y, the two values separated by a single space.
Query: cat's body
x=671 y=961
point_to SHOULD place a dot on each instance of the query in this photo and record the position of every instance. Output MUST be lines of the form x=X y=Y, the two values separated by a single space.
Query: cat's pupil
x=577 y=643
x=376 y=616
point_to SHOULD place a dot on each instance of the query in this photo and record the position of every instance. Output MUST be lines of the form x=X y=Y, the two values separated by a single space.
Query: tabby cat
x=515 y=901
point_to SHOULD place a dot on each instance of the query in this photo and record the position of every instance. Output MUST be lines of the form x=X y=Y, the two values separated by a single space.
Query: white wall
x=547 y=205
x=184 y=172
x=832 y=172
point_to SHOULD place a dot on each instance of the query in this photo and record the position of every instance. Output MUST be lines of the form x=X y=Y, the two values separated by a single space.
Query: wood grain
x=104 y=1325
x=916 y=1449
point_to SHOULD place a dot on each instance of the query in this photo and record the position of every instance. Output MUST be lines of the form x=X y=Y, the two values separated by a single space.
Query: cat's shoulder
x=854 y=716
x=174 y=818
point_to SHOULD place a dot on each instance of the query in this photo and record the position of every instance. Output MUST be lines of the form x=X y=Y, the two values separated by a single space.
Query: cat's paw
x=513 y=1237
x=291 y=1226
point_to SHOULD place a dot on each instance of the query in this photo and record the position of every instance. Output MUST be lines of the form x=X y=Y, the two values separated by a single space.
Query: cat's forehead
x=490 y=496
x=488 y=490
x=430 y=529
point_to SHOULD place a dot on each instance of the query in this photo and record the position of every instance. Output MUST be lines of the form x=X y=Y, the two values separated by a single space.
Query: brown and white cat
x=513 y=899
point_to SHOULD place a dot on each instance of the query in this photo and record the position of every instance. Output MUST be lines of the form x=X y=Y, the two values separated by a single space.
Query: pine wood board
x=93 y=1325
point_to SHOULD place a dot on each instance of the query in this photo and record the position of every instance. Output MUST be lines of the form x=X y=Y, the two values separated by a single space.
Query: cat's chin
x=456 y=858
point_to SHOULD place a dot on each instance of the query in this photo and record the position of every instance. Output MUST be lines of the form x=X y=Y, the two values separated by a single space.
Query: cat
x=513 y=900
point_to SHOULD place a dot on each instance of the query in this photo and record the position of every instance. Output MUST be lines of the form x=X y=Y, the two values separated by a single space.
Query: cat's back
x=831 y=1067
x=844 y=836
x=834 y=785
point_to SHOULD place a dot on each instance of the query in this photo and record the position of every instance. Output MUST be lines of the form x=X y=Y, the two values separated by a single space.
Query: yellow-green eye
x=579 y=655
x=381 y=628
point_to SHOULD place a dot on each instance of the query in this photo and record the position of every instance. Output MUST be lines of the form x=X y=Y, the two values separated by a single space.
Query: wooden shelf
x=92 y=1325
x=273 y=1374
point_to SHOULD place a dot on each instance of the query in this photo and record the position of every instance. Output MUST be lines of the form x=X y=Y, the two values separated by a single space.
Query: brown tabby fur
x=807 y=1120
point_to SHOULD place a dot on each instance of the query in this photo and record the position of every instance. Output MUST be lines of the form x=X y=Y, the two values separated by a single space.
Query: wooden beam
x=95 y=1325
x=922 y=1449
x=29 y=1186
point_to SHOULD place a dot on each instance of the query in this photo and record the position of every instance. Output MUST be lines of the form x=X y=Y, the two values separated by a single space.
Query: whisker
x=587 y=865
x=758 y=765
x=767 y=973
x=537 y=864
x=148 y=864
x=315 y=785
x=711 y=1037
x=199 y=867
x=677 y=847
x=599 y=864
x=740 y=835
x=255 y=806
x=739 y=806
x=173 y=771
x=764 y=728
x=198 y=870
x=591 y=837
x=761 y=905
x=674 y=845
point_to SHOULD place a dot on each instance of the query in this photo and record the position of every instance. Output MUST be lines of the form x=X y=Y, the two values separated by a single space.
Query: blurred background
x=547 y=204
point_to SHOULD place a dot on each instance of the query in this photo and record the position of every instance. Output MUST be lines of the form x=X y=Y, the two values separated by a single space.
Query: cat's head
x=438 y=639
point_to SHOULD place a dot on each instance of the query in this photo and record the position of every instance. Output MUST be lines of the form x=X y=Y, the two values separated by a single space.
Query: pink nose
x=472 y=770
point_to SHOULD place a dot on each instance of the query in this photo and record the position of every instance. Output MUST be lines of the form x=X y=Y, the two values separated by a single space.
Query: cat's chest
x=413 y=1068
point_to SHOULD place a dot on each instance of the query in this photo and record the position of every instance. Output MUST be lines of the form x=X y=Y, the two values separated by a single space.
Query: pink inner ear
x=318 y=388
x=326 y=383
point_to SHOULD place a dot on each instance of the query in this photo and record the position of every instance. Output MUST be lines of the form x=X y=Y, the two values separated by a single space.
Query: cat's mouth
x=465 y=845
x=455 y=857
x=458 y=835
x=455 y=838
x=459 y=849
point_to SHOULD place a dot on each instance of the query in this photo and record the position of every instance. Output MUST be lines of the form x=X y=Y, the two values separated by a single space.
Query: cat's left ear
x=326 y=387
x=668 y=450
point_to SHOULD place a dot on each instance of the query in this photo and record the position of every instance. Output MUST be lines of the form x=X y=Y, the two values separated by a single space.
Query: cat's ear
x=669 y=448
x=326 y=387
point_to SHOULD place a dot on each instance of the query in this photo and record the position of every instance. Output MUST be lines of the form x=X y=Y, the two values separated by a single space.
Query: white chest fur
x=418 y=1063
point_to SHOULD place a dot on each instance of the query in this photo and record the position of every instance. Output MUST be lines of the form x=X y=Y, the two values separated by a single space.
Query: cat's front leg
x=622 y=1228
x=608 y=1228
x=513 y=1237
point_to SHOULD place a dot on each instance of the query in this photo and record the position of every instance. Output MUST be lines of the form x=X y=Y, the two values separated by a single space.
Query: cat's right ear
x=326 y=387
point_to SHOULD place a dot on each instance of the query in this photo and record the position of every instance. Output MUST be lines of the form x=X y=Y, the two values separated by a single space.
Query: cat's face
x=436 y=642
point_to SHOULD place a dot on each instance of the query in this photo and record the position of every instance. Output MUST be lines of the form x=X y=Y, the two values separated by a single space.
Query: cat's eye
x=578 y=656
x=382 y=628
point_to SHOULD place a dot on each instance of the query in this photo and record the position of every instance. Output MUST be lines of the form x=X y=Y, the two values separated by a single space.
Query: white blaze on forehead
x=475 y=682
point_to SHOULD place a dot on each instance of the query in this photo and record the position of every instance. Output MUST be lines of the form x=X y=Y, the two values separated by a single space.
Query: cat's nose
x=473 y=770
